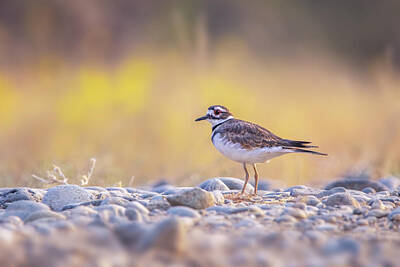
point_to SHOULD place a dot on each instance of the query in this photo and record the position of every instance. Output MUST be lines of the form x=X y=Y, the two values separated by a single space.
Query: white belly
x=237 y=153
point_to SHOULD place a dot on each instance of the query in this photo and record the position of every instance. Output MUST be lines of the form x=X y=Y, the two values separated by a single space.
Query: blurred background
x=122 y=81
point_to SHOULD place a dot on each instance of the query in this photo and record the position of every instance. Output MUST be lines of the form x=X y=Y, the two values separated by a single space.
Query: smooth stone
x=341 y=245
x=285 y=219
x=183 y=212
x=391 y=182
x=340 y=199
x=311 y=200
x=297 y=213
x=330 y=192
x=357 y=184
x=111 y=210
x=196 y=198
x=133 y=215
x=219 y=198
x=369 y=190
x=59 y=196
x=213 y=184
x=236 y=184
x=158 y=203
x=395 y=214
x=263 y=185
x=88 y=203
x=130 y=233
x=14 y=220
x=137 y=206
x=162 y=188
x=326 y=227
x=115 y=201
x=221 y=209
x=377 y=204
x=378 y=213
x=167 y=235
x=44 y=214
x=23 y=208
x=80 y=211
x=296 y=191
x=16 y=194
x=251 y=209
x=119 y=189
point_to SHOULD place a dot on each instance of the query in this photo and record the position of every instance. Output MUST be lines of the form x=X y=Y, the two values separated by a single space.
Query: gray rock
x=137 y=206
x=158 y=203
x=340 y=199
x=263 y=185
x=133 y=215
x=378 y=213
x=301 y=190
x=236 y=184
x=23 y=208
x=341 y=245
x=311 y=200
x=162 y=188
x=88 y=203
x=285 y=219
x=62 y=195
x=111 y=210
x=80 y=211
x=357 y=184
x=130 y=233
x=330 y=192
x=44 y=214
x=251 y=209
x=395 y=215
x=369 y=190
x=13 y=220
x=115 y=201
x=167 y=235
x=183 y=212
x=196 y=198
x=15 y=194
x=218 y=197
x=377 y=204
x=213 y=184
x=391 y=182
x=221 y=209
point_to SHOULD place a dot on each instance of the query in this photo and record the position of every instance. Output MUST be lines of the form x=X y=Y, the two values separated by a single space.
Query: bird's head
x=216 y=114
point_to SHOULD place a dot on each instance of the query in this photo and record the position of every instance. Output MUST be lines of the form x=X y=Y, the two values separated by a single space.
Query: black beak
x=202 y=118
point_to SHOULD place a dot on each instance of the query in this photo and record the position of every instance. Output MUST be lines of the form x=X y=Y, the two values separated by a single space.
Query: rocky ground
x=351 y=222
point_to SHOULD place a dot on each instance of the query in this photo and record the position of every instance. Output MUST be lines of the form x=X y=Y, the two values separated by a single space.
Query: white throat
x=215 y=122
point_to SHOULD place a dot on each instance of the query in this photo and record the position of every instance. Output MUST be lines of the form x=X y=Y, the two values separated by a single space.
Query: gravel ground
x=350 y=222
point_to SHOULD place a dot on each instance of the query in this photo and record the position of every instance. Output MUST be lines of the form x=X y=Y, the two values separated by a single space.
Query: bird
x=248 y=143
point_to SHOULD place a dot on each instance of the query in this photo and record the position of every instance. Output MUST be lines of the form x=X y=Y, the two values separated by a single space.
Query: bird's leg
x=255 y=179
x=247 y=178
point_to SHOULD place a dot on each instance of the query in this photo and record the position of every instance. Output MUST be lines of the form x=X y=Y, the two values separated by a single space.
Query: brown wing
x=251 y=135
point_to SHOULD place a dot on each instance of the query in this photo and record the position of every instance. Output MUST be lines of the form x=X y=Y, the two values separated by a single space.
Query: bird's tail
x=299 y=150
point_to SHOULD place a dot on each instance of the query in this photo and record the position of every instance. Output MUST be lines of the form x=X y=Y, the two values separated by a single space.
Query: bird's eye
x=217 y=112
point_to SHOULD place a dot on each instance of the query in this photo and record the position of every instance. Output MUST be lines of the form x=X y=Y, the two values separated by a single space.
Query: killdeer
x=248 y=143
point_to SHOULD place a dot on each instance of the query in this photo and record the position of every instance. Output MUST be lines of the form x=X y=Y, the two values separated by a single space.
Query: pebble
x=158 y=203
x=133 y=215
x=339 y=199
x=236 y=184
x=183 y=212
x=44 y=214
x=167 y=235
x=196 y=198
x=213 y=184
x=395 y=215
x=357 y=184
x=23 y=208
x=332 y=225
x=59 y=196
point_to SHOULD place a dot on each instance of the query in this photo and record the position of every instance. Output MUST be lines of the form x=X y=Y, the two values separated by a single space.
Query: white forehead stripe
x=220 y=109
